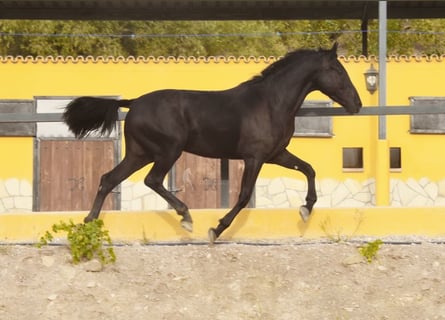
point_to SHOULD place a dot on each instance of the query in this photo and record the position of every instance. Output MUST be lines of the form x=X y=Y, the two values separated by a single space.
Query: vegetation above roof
x=212 y=38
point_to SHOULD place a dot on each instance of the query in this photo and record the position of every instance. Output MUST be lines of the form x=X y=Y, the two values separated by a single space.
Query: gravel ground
x=281 y=280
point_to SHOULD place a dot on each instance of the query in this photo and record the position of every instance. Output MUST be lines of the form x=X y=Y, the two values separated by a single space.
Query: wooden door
x=70 y=171
x=236 y=169
x=197 y=181
x=206 y=183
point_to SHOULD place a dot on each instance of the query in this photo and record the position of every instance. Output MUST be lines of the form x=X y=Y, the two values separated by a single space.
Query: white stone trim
x=15 y=195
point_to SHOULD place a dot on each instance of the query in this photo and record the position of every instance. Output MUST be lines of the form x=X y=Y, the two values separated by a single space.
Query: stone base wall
x=15 y=195
x=291 y=193
x=417 y=193
x=137 y=196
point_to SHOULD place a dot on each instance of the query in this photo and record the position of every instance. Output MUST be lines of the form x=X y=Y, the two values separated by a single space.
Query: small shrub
x=85 y=240
x=370 y=250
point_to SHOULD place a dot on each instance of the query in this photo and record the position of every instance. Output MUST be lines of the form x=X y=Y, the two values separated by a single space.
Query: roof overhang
x=214 y=9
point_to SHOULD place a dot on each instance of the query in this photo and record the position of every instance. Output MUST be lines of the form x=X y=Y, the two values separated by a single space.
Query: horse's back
x=201 y=122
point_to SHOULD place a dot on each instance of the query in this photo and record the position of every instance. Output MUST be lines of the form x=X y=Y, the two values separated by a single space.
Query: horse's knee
x=310 y=172
x=150 y=182
x=105 y=185
x=157 y=186
x=307 y=170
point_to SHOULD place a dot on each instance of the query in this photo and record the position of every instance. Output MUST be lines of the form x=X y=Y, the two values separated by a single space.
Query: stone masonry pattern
x=17 y=196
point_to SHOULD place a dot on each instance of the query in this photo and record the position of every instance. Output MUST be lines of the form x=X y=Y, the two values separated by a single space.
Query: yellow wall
x=17 y=158
x=251 y=224
x=421 y=154
x=25 y=79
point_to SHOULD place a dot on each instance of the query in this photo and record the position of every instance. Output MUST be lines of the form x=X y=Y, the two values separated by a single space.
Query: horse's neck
x=290 y=90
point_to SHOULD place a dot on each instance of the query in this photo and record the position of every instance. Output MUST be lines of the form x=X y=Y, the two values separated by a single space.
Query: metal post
x=382 y=66
x=382 y=187
x=364 y=28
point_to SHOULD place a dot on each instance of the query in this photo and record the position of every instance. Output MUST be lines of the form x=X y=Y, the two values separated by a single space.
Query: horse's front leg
x=111 y=179
x=288 y=160
x=252 y=168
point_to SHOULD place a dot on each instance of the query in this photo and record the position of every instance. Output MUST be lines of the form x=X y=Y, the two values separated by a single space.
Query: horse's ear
x=334 y=48
x=333 y=51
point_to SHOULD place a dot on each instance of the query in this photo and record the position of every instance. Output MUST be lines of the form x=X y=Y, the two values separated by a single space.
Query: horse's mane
x=283 y=63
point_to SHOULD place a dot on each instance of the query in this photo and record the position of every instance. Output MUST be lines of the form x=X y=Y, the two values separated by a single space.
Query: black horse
x=253 y=121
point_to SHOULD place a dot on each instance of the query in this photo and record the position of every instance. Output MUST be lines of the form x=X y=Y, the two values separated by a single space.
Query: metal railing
x=304 y=112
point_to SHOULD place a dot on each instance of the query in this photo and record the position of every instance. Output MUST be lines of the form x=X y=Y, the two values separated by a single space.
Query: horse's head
x=333 y=80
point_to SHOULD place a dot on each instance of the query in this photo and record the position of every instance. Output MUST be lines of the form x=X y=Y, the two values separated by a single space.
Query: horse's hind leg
x=251 y=170
x=110 y=180
x=288 y=160
x=155 y=179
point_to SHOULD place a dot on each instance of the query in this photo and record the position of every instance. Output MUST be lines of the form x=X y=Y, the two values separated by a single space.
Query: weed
x=145 y=240
x=370 y=250
x=336 y=234
x=85 y=240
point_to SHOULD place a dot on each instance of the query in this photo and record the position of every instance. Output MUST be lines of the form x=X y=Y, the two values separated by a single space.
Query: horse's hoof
x=87 y=219
x=187 y=225
x=212 y=236
x=304 y=213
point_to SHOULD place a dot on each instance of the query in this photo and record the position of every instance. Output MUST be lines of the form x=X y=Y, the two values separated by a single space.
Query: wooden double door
x=206 y=183
x=69 y=173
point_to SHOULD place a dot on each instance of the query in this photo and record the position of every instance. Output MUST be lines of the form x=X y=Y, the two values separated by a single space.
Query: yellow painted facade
x=422 y=155
x=399 y=224
x=17 y=158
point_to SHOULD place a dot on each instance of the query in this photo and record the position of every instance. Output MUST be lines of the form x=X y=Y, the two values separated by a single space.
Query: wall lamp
x=371 y=79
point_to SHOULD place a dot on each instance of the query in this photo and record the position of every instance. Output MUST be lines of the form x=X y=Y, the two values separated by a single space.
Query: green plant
x=370 y=250
x=85 y=240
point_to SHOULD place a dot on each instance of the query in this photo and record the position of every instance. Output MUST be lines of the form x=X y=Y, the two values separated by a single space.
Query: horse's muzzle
x=355 y=108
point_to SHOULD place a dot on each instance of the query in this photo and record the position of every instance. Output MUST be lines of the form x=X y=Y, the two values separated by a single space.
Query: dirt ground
x=284 y=280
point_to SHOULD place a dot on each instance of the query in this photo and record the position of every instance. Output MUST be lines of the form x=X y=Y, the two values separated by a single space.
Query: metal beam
x=213 y=9
x=372 y=111
x=304 y=112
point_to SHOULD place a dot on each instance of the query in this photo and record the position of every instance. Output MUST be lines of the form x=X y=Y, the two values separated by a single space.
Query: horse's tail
x=86 y=114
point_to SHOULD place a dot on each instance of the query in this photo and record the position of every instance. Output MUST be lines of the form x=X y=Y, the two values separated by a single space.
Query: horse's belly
x=213 y=148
